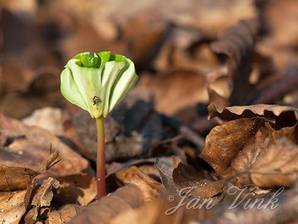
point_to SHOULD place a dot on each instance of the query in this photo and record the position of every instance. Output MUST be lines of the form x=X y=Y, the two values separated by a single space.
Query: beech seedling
x=98 y=83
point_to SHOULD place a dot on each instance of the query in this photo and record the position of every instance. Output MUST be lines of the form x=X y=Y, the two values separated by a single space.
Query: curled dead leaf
x=237 y=43
x=252 y=150
x=39 y=198
x=282 y=116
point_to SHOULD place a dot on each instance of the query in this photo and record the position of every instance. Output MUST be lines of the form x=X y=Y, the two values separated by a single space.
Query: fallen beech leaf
x=15 y=178
x=28 y=147
x=12 y=206
x=63 y=215
x=147 y=185
x=269 y=159
x=125 y=198
x=116 y=166
x=188 y=185
x=277 y=165
x=186 y=176
x=252 y=150
x=282 y=116
x=225 y=141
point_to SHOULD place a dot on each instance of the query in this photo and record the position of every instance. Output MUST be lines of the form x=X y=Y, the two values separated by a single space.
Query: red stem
x=100 y=163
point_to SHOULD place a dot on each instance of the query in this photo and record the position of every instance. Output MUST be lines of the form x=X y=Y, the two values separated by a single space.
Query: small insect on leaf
x=96 y=100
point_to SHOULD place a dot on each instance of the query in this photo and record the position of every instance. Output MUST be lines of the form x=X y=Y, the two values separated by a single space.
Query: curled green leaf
x=97 y=83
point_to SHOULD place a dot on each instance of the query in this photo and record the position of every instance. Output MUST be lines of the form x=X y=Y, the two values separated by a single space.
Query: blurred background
x=170 y=42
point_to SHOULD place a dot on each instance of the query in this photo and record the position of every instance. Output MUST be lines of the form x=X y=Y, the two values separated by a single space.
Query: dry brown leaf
x=28 y=147
x=39 y=198
x=225 y=141
x=29 y=204
x=116 y=166
x=133 y=175
x=125 y=198
x=15 y=178
x=251 y=150
x=12 y=206
x=63 y=215
x=188 y=177
x=34 y=204
x=282 y=116
x=44 y=194
x=268 y=160
x=277 y=166
x=149 y=169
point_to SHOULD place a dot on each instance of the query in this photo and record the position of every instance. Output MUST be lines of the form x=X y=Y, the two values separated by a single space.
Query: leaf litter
x=234 y=62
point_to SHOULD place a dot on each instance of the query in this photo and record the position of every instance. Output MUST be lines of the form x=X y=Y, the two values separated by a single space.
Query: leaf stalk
x=100 y=163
